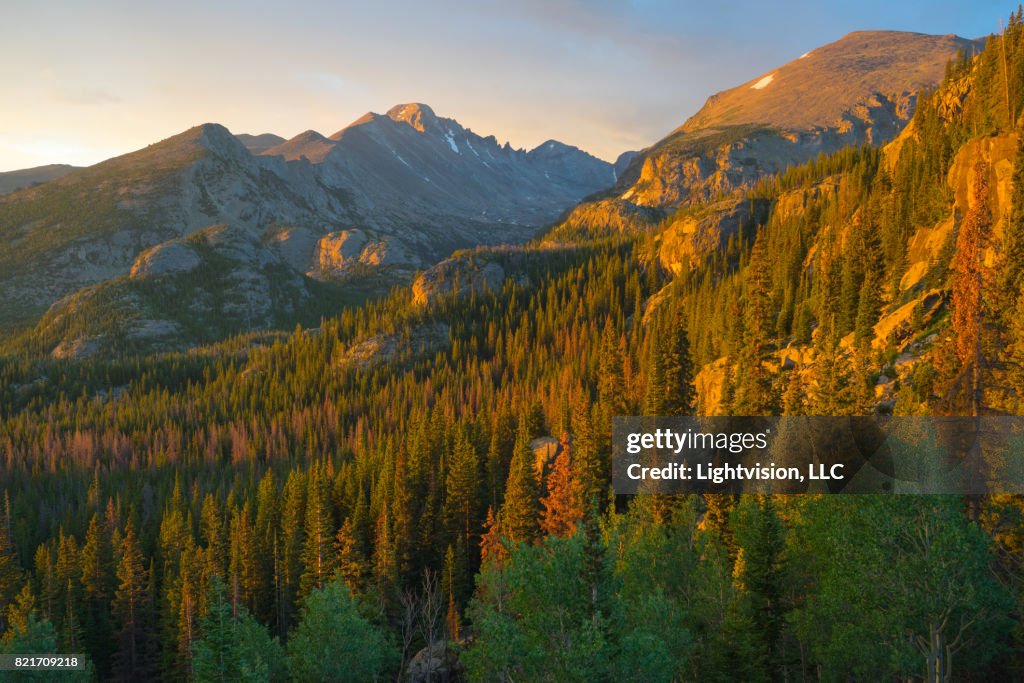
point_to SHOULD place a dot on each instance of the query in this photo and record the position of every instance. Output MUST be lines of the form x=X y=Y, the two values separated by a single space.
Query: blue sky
x=81 y=82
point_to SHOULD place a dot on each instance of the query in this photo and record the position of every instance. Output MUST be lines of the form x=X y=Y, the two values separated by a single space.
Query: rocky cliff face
x=910 y=324
x=859 y=89
x=411 y=167
x=458 y=275
x=694 y=235
x=90 y=225
x=189 y=290
x=926 y=243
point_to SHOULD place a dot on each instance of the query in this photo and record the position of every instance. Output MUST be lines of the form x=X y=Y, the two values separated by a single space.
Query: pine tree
x=869 y=303
x=832 y=390
x=492 y=549
x=655 y=389
x=971 y=310
x=97 y=580
x=519 y=512
x=402 y=514
x=232 y=646
x=187 y=619
x=593 y=561
x=267 y=525
x=1012 y=267
x=588 y=467
x=67 y=572
x=1015 y=354
x=245 y=571
x=763 y=577
x=461 y=510
x=677 y=364
x=727 y=400
x=352 y=564
x=10 y=573
x=385 y=556
x=758 y=295
x=611 y=386
x=562 y=509
x=46 y=579
x=499 y=451
x=129 y=610
x=290 y=544
x=719 y=507
x=453 y=622
x=19 y=611
x=331 y=623
x=793 y=399
x=462 y=486
x=317 y=555
x=215 y=653
x=753 y=389
x=213 y=534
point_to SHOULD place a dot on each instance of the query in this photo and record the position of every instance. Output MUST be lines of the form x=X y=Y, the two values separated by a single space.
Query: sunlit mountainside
x=340 y=407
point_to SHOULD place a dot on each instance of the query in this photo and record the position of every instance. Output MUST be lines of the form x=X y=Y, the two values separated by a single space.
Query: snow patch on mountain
x=451 y=141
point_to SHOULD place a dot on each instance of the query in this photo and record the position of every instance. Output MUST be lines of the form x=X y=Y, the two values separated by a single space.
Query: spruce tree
x=520 y=510
x=562 y=509
x=655 y=389
x=677 y=368
x=462 y=494
x=215 y=652
x=317 y=554
x=1012 y=267
x=763 y=580
x=352 y=564
x=10 y=574
x=971 y=299
x=131 y=661
x=492 y=549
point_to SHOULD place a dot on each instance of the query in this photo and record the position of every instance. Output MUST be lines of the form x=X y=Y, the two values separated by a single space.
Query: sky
x=84 y=81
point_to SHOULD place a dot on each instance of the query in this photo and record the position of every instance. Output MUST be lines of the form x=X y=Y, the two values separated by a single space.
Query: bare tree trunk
x=410 y=615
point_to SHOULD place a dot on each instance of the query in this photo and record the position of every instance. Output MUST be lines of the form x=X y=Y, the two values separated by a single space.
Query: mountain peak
x=553 y=146
x=419 y=116
x=309 y=144
x=818 y=93
x=209 y=134
x=260 y=142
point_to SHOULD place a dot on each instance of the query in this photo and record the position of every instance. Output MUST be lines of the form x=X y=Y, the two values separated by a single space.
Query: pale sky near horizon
x=82 y=82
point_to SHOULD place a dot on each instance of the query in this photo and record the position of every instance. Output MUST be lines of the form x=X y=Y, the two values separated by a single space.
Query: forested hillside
x=429 y=473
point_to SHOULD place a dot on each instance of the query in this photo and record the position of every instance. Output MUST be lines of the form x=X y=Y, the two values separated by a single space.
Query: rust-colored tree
x=562 y=509
x=491 y=547
x=971 y=315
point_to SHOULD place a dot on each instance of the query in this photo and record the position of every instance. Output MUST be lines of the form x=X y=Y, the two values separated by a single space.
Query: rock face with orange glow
x=859 y=89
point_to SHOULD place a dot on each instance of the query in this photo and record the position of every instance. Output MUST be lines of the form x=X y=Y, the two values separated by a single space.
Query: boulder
x=336 y=252
x=694 y=235
x=165 y=259
x=545 y=450
x=436 y=663
x=459 y=275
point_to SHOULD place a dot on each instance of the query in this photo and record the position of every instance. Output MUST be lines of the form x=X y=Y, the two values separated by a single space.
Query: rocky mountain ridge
x=388 y=193
x=12 y=181
x=860 y=89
